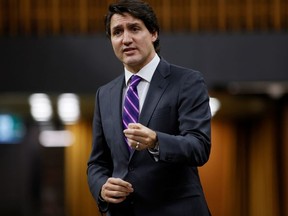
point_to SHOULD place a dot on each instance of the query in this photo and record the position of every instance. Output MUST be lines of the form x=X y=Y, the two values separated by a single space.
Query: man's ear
x=154 y=36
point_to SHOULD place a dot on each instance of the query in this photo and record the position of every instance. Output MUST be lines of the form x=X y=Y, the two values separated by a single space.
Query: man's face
x=132 y=42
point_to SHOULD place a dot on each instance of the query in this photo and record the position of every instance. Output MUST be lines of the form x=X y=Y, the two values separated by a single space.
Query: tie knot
x=134 y=80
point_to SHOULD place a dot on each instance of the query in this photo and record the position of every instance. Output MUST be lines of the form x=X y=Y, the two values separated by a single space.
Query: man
x=149 y=167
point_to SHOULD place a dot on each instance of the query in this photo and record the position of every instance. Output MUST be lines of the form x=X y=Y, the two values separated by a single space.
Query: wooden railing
x=54 y=17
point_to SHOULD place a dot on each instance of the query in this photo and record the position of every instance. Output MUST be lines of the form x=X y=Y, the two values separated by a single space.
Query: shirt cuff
x=102 y=204
x=155 y=151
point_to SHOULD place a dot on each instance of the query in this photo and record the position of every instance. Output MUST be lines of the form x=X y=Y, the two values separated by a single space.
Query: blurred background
x=54 y=55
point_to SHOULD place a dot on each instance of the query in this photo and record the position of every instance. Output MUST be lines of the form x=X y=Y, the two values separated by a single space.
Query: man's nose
x=127 y=37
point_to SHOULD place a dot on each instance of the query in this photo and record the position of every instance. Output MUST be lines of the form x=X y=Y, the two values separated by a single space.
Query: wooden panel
x=2 y=15
x=249 y=15
x=263 y=181
x=12 y=9
x=218 y=176
x=83 y=15
x=86 y=16
x=194 y=15
x=78 y=199
x=24 y=15
x=55 y=16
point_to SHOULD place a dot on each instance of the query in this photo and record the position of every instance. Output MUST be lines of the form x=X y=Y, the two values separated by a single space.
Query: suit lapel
x=116 y=107
x=157 y=87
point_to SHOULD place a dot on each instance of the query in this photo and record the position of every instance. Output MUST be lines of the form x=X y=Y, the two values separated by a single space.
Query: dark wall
x=82 y=63
x=32 y=177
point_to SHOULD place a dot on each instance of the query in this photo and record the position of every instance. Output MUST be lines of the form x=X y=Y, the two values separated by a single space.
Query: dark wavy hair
x=138 y=9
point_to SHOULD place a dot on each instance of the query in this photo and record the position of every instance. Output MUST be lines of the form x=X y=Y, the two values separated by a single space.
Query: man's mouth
x=128 y=50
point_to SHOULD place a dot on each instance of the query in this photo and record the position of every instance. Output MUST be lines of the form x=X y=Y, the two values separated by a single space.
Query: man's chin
x=131 y=62
x=134 y=68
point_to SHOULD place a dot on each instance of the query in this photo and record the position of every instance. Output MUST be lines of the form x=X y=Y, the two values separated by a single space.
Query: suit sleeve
x=192 y=144
x=99 y=164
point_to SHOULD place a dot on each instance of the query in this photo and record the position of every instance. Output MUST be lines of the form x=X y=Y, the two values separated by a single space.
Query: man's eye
x=135 y=29
x=115 y=33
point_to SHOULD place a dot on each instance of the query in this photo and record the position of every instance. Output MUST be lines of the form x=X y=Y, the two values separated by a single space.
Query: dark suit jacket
x=177 y=108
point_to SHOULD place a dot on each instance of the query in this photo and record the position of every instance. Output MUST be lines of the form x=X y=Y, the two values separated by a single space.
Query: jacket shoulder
x=112 y=83
x=177 y=70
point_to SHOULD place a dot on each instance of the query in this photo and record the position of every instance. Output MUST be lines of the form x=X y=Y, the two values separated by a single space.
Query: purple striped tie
x=131 y=102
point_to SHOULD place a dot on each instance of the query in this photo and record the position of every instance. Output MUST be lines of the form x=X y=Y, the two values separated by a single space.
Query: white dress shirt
x=146 y=73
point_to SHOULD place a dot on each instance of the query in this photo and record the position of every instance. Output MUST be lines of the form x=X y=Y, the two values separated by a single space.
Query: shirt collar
x=146 y=72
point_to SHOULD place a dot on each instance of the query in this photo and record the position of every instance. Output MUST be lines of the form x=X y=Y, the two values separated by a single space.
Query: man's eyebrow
x=120 y=26
x=115 y=28
x=133 y=24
